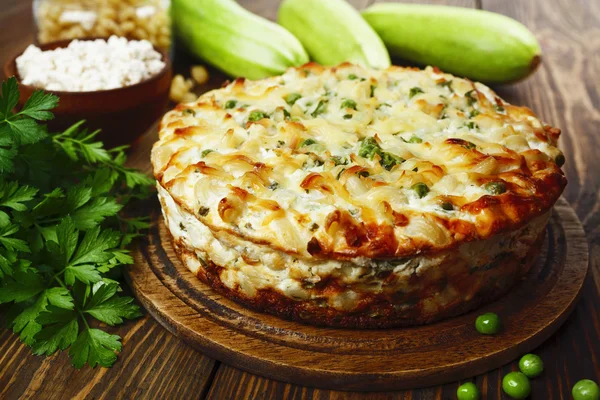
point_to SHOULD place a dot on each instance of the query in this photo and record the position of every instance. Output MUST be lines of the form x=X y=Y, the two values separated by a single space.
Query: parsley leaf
x=22 y=127
x=23 y=286
x=95 y=212
x=38 y=104
x=12 y=195
x=95 y=347
x=9 y=98
x=60 y=297
x=95 y=246
x=59 y=332
x=84 y=273
x=110 y=309
x=61 y=232
x=25 y=131
x=6 y=156
x=12 y=243
x=25 y=323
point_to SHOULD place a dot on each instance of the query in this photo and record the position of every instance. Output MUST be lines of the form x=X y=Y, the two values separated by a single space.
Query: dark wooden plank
x=153 y=364
x=257 y=387
x=231 y=383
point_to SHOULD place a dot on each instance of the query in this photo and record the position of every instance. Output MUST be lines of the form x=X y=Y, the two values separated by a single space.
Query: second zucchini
x=481 y=45
x=332 y=31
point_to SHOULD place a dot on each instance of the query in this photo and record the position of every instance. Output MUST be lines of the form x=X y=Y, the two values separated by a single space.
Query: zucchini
x=332 y=31
x=477 y=44
x=229 y=37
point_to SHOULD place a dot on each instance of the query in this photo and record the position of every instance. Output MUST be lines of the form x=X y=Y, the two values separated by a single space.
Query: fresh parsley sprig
x=62 y=233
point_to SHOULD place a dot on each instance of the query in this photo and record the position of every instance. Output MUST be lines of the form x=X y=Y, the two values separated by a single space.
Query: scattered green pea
x=320 y=109
x=388 y=160
x=338 y=160
x=414 y=91
x=495 y=187
x=230 y=104
x=368 y=148
x=308 y=142
x=447 y=84
x=348 y=103
x=447 y=206
x=488 y=323
x=586 y=389
x=189 y=111
x=257 y=115
x=531 y=365
x=421 y=189
x=292 y=98
x=470 y=145
x=467 y=391
x=471 y=96
x=516 y=385
x=560 y=160
x=372 y=93
x=203 y=211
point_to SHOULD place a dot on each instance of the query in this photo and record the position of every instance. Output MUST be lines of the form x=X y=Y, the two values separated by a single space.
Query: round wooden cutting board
x=363 y=359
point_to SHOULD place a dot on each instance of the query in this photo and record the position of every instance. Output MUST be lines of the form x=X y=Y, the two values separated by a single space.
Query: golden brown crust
x=384 y=310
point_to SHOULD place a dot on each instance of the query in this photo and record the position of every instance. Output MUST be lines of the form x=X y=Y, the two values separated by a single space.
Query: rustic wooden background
x=155 y=364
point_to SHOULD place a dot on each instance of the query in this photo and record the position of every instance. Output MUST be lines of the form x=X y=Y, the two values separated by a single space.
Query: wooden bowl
x=122 y=114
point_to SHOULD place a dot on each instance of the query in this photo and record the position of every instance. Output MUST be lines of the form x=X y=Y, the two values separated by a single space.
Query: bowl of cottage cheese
x=117 y=85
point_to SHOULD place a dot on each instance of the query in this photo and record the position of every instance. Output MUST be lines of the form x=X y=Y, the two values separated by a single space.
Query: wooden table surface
x=155 y=364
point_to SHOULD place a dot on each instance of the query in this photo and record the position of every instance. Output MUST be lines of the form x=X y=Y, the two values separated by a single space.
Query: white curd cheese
x=86 y=65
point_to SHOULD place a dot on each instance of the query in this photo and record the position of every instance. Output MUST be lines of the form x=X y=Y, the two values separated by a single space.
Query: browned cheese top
x=349 y=162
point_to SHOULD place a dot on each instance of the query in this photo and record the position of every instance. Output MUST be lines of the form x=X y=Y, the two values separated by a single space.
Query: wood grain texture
x=565 y=92
x=347 y=359
x=153 y=364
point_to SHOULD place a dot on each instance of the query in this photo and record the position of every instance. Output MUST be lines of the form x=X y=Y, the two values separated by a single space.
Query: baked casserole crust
x=356 y=197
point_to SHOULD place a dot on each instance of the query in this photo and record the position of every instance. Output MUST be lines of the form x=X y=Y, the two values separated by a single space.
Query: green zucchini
x=229 y=37
x=332 y=31
x=477 y=44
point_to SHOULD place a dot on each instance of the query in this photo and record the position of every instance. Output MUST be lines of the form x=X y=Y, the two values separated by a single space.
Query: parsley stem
x=56 y=276
x=61 y=283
